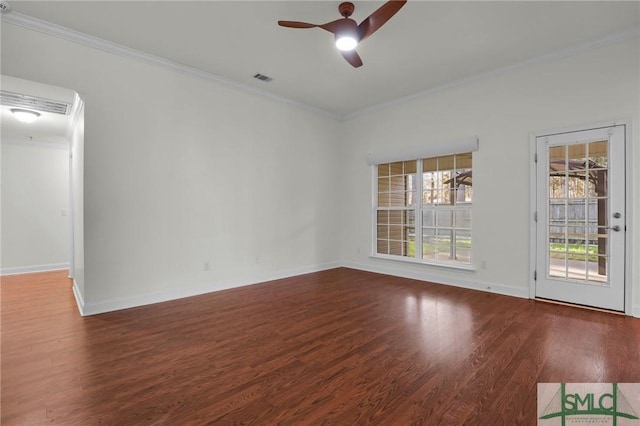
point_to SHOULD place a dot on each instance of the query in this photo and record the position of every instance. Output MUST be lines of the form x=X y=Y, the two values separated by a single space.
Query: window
x=396 y=215
x=423 y=209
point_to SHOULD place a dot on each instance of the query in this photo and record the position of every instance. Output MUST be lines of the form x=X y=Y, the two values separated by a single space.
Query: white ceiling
x=427 y=45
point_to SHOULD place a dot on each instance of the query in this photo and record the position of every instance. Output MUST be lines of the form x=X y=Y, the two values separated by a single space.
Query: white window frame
x=418 y=210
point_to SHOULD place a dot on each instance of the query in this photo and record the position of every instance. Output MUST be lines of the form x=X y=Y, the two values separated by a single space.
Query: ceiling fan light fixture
x=348 y=32
x=346 y=42
x=25 y=115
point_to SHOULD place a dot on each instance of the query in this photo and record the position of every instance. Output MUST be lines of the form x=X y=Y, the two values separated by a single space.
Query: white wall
x=35 y=207
x=503 y=110
x=179 y=171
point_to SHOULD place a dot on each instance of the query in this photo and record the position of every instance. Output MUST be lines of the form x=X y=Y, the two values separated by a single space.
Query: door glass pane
x=557 y=158
x=576 y=268
x=598 y=155
x=598 y=212
x=557 y=185
x=576 y=185
x=577 y=156
x=599 y=182
x=557 y=238
x=557 y=266
x=598 y=269
x=557 y=211
x=557 y=251
x=577 y=220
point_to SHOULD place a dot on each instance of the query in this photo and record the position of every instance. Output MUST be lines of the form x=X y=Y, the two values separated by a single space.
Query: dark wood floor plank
x=334 y=347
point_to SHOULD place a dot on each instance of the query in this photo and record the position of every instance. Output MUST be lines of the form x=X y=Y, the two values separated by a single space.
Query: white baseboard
x=34 y=268
x=78 y=296
x=179 y=293
x=472 y=284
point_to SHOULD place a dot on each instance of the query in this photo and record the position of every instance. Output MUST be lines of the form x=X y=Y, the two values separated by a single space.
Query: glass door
x=581 y=226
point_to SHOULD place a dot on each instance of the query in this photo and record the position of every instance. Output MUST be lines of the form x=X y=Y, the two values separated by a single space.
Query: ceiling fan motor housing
x=346 y=9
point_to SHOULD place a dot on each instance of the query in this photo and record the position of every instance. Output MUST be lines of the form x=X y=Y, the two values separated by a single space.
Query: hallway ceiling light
x=25 y=115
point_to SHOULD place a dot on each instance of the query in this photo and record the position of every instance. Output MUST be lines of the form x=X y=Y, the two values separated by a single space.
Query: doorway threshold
x=575 y=305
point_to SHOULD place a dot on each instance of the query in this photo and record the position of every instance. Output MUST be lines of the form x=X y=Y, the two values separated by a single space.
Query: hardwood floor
x=337 y=347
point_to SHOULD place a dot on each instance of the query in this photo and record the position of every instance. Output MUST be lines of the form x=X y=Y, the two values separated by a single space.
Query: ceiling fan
x=347 y=32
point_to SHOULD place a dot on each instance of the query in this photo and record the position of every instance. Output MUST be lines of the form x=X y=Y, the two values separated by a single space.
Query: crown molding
x=619 y=37
x=78 y=37
x=59 y=31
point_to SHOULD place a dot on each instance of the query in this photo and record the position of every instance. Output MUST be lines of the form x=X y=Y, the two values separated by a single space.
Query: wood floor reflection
x=336 y=347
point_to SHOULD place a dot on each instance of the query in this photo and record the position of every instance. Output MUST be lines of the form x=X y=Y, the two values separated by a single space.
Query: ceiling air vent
x=263 y=77
x=33 y=103
x=5 y=7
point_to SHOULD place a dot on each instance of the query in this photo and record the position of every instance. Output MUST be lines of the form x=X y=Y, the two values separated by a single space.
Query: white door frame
x=72 y=125
x=628 y=280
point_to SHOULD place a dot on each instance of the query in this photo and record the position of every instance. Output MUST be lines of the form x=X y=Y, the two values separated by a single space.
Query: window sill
x=456 y=266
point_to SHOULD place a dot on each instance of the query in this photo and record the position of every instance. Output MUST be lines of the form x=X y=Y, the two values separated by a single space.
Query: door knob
x=615 y=228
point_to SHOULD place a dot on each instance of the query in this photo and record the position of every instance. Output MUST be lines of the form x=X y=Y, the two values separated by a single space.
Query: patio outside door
x=580 y=247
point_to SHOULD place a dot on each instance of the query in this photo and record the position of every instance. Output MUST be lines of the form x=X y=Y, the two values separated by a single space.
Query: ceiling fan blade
x=352 y=57
x=379 y=17
x=335 y=26
x=296 y=24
